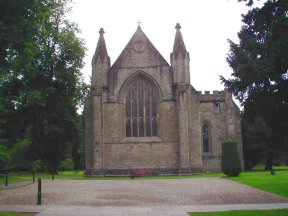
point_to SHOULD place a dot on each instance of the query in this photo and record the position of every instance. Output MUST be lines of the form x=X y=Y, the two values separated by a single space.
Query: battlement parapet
x=215 y=96
x=214 y=92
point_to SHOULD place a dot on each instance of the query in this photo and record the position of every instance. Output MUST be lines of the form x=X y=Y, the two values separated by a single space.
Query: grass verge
x=70 y=175
x=280 y=212
x=17 y=214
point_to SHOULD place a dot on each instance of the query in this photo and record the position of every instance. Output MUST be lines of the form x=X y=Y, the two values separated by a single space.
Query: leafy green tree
x=4 y=156
x=260 y=72
x=78 y=146
x=14 y=36
x=20 y=155
x=256 y=137
x=40 y=85
x=37 y=166
x=66 y=165
x=248 y=2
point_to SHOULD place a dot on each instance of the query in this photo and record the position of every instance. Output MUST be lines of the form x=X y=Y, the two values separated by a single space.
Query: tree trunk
x=269 y=161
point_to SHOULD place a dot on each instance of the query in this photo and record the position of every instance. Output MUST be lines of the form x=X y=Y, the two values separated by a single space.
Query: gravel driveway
x=192 y=191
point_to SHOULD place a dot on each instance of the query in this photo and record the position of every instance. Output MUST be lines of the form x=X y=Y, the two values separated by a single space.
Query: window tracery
x=141 y=103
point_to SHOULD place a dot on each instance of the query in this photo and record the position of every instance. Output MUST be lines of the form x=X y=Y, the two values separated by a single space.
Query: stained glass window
x=205 y=137
x=141 y=103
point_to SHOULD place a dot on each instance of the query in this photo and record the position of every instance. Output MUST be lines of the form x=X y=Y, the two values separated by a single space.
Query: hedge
x=230 y=159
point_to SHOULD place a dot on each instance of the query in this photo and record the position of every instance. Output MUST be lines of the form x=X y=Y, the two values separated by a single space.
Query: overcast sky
x=206 y=26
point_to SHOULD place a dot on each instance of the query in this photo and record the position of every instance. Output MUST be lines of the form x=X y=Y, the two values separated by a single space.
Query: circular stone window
x=139 y=46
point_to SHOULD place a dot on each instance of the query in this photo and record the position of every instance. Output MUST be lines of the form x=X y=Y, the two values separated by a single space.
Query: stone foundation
x=131 y=172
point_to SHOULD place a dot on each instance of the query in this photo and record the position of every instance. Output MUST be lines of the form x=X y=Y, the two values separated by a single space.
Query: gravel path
x=194 y=191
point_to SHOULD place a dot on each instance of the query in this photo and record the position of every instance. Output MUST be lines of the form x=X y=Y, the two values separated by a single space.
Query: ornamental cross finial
x=139 y=22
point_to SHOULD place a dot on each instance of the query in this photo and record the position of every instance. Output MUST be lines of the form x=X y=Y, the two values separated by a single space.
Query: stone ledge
x=145 y=171
x=129 y=172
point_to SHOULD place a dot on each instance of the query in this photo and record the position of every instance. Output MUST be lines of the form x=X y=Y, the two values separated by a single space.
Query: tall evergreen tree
x=41 y=84
x=260 y=72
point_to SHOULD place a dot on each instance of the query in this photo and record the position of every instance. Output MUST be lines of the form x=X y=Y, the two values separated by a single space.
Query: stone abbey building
x=143 y=114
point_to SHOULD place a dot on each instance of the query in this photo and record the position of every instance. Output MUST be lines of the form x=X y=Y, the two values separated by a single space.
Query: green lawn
x=265 y=181
x=16 y=214
x=15 y=177
x=282 y=212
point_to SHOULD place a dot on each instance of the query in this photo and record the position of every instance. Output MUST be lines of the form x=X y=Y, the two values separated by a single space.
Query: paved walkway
x=135 y=210
x=160 y=192
x=175 y=197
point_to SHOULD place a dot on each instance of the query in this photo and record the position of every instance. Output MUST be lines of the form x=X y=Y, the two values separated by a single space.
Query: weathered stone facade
x=143 y=114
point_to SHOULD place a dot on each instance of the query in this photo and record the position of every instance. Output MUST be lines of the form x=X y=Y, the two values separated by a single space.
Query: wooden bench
x=139 y=172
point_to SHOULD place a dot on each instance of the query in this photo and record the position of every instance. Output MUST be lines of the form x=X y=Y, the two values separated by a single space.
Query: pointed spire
x=139 y=25
x=180 y=59
x=179 y=46
x=101 y=51
x=139 y=30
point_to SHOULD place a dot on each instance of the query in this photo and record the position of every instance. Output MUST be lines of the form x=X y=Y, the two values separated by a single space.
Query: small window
x=205 y=137
x=217 y=108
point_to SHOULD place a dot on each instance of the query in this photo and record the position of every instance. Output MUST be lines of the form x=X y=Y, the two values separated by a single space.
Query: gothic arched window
x=141 y=103
x=205 y=137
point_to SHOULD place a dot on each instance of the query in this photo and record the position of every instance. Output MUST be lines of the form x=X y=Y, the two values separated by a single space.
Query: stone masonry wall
x=89 y=136
x=223 y=126
x=125 y=153
x=194 y=131
x=141 y=155
x=217 y=128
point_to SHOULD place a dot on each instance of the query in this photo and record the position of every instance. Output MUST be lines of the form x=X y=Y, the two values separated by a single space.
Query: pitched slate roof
x=139 y=52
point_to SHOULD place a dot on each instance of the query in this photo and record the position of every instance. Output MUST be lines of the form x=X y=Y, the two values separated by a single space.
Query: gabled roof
x=139 y=52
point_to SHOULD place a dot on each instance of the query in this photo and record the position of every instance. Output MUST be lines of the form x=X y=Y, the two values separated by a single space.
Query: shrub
x=230 y=159
x=66 y=165
x=20 y=159
x=4 y=156
x=37 y=166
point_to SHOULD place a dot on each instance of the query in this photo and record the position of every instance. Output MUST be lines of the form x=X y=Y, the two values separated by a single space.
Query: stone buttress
x=94 y=108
